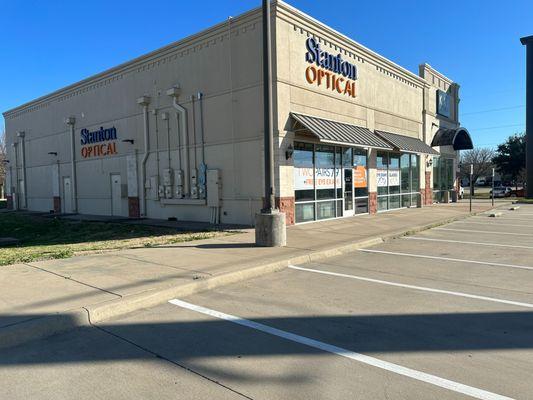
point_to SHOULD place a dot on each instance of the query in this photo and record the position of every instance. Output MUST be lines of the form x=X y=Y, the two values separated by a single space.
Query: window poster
x=394 y=177
x=326 y=178
x=381 y=176
x=303 y=179
x=359 y=177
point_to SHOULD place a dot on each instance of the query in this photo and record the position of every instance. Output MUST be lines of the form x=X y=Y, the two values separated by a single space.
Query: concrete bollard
x=270 y=229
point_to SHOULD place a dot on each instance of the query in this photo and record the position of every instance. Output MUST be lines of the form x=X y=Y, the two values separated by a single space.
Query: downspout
x=144 y=101
x=194 y=175
x=22 y=135
x=202 y=174
x=182 y=123
x=70 y=121
x=202 y=140
x=16 y=187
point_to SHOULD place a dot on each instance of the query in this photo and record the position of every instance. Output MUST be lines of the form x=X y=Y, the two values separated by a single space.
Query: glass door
x=348 y=191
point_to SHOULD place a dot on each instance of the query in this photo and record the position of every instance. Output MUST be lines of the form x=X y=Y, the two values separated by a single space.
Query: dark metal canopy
x=406 y=143
x=328 y=131
x=458 y=138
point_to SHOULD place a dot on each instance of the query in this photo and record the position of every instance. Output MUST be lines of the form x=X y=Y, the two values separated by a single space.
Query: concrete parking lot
x=446 y=313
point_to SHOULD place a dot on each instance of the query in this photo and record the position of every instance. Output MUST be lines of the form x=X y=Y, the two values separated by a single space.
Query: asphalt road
x=443 y=314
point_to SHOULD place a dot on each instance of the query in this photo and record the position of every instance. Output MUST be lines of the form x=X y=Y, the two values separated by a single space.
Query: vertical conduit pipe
x=194 y=131
x=22 y=135
x=202 y=140
x=16 y=191
x=182 y=123
x=70 y=122
x=144 y=101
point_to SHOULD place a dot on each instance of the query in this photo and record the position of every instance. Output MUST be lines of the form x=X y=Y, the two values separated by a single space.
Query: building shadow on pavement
x=186 y=339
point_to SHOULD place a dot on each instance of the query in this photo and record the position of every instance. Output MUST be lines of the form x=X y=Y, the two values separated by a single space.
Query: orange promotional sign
x=359 y=177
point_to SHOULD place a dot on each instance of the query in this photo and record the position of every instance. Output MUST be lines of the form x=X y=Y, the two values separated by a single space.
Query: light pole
x=492 y=187
x=471 y=184
x=528 y=42
x=270 y=229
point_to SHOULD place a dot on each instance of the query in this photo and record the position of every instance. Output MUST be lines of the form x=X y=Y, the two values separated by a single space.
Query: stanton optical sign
x=98 y=143
x=329 y=70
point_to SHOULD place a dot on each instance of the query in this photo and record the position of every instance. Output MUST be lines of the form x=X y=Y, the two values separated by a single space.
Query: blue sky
x=46 y=45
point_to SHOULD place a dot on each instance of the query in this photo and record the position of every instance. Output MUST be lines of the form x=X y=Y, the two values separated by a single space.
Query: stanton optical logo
x=329 y=70
x=92 y=142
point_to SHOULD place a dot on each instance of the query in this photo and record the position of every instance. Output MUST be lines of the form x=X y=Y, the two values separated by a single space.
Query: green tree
x=510 y=158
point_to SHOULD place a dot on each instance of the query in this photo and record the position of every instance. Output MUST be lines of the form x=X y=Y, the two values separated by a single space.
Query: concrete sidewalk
x=42 y=298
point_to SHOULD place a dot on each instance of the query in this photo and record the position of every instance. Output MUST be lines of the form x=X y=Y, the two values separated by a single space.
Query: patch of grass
x=51 y=238
x=524 y=200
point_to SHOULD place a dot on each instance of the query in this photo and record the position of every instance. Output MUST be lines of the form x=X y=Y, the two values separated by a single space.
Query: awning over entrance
x=458 y=138
x=406 y=143
x=340 y=133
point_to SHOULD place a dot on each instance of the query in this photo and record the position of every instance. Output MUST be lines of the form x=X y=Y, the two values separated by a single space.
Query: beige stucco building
x=179 y=132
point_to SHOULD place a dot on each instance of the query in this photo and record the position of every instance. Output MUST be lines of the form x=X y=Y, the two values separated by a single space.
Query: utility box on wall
x=214 y=188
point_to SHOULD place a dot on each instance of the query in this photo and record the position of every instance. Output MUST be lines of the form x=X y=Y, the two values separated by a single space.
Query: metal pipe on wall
x=144 y=101
x=168 y=139
x=181 y=116
x=194 y=131
x=70 y=121
x=202 y=139
x=22 y=136
x=16 y=188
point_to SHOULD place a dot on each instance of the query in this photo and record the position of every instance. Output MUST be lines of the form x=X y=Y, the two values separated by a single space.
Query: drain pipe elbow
x=144 y=101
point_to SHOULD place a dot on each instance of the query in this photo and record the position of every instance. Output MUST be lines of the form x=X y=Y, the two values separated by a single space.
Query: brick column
x=286 y=205
x=428 y=196
x=372 y=202
x=133 y=207
x=9 y=199
x=57 y=204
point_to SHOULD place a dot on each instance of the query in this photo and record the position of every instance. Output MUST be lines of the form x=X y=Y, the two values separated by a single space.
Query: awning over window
x=458 y=138
x=406 y=143
x=328 y=131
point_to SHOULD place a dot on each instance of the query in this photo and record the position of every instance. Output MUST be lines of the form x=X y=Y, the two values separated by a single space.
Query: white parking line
x=329 y=348
x=459 y=260
x=495 y=223
x=466 y=242
x=505 y=218
x=471 y=230
x=421 y=288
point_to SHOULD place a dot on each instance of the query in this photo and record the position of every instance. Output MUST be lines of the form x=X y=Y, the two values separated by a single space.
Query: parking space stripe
x=414 y=287
x=471 y=230
x=375 y=362
x=466 y=242
x=492 y=224
x=459 y=260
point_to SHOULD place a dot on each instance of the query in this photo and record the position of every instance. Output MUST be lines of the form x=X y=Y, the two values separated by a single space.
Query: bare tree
x=480 y=158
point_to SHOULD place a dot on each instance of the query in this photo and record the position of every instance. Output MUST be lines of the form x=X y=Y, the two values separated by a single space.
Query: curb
x=42 y=327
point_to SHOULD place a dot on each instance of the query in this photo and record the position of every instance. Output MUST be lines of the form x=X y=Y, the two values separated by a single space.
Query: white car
x=501 y=192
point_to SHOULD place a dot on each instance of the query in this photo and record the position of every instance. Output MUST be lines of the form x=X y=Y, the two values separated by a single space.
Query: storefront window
x=443 y=177
x=360 y=181
x=325 y=172
x=398 y=180
x=321 y=173
x=304 y=186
